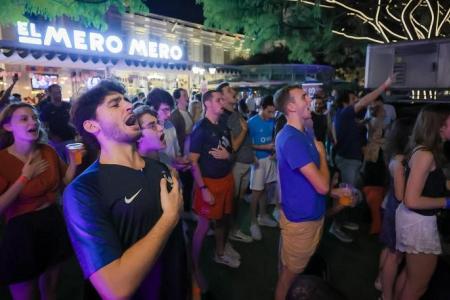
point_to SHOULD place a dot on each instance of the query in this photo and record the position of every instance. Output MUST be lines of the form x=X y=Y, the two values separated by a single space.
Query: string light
x=407 y=10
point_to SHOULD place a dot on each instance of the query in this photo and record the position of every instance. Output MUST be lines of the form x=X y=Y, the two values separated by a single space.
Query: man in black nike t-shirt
x=122 y=212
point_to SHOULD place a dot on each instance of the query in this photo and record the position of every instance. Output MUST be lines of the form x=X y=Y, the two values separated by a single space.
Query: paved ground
x=352 y=268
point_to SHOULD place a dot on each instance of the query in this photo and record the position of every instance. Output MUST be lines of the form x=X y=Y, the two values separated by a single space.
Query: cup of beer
x=77 y=150
x=346 y=200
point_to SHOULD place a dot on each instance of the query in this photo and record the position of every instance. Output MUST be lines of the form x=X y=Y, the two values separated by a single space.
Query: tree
x=328 y=31
x=89 y=13
x=306 y=30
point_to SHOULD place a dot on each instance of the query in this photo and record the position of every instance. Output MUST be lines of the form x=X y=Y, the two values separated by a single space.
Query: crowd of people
x=158 y=162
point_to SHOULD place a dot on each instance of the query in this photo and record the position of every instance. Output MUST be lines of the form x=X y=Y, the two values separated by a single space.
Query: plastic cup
x=77 y=150
x=346 y=200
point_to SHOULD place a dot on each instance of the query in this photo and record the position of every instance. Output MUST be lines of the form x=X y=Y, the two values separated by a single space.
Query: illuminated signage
x=95 y=42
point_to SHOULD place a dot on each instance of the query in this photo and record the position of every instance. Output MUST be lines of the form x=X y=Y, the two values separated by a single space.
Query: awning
x=14 y=53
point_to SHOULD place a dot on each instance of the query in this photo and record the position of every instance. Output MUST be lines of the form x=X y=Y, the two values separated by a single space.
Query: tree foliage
x=304 y=29
x=328 y=31
x=89 y=13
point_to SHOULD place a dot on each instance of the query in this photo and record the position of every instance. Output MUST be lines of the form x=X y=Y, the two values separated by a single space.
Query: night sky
x=186 y=10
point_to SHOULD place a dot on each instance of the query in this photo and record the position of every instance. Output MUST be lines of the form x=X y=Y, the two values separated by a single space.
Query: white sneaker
x=239 y=236
x=265 y=220
x=226 y=260
x=256 y=232
x=231 y=252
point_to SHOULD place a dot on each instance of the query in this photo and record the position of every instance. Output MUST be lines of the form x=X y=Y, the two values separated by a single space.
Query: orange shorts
x=222 y=190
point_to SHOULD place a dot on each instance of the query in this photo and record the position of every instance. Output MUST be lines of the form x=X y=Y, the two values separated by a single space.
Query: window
x=206 y=53
x=226 y=57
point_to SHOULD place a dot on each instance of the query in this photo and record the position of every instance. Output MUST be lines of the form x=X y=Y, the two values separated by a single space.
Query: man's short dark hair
x=221 y=86
x=283 y=96
x=208 y=96
x=50 y=87
x=267 y=101
x=144 y=109
x=343 y=96
x=177 y=93
x=198 y=97
x=85 y=107
x=159 y=96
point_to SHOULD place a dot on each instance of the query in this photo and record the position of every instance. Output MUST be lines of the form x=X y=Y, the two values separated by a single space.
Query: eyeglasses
x=151 y=126
x=165 y=110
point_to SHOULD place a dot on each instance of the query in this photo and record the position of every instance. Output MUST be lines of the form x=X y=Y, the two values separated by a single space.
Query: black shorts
x=31 y=243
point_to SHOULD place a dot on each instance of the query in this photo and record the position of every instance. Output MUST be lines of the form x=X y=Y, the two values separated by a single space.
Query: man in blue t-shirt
x=304 y=182
x=122 y=212
x=350 y=140
x=264 y=170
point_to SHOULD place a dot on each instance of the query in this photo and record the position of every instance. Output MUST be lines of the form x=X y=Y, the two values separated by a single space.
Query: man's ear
x=291 y=107
x=91 y=126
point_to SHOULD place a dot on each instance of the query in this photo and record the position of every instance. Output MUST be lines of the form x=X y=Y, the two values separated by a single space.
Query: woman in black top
x=416 y=226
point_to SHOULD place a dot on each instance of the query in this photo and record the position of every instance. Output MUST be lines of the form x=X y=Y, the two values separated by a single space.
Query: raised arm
x=372 y=96
x=5 y=97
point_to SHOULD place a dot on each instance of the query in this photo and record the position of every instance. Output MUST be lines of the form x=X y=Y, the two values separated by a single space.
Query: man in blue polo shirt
x=304 y=181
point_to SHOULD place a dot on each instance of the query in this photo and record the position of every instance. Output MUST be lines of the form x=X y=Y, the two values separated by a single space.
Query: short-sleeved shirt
x=172 y=149
x=261 y=133
x=299 y=199
x=350 y=138
x=206 y=136
x=108 y=208
x=42 y=189
x=245 y=152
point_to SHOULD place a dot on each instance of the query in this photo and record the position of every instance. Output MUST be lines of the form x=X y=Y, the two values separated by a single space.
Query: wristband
x=23 y=179
x=447 y=203
x=203 y=187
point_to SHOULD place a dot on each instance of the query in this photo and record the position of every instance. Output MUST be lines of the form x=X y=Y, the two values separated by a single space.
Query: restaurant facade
x=141 y=51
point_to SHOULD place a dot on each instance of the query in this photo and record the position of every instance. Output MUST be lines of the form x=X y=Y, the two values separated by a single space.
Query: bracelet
x=447 y=203
x=23 y=179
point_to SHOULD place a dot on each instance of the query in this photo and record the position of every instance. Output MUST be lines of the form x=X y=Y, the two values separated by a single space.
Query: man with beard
x=122 y=212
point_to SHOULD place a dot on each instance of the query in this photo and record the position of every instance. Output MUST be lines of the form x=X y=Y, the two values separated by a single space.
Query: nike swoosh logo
x=129 y=200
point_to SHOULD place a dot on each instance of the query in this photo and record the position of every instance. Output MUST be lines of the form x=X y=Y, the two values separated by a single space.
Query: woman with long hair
x=416 y=225
x=34 y=241
x=390 y=258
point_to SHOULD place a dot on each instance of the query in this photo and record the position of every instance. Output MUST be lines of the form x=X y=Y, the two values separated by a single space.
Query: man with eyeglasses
x=162 y=102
